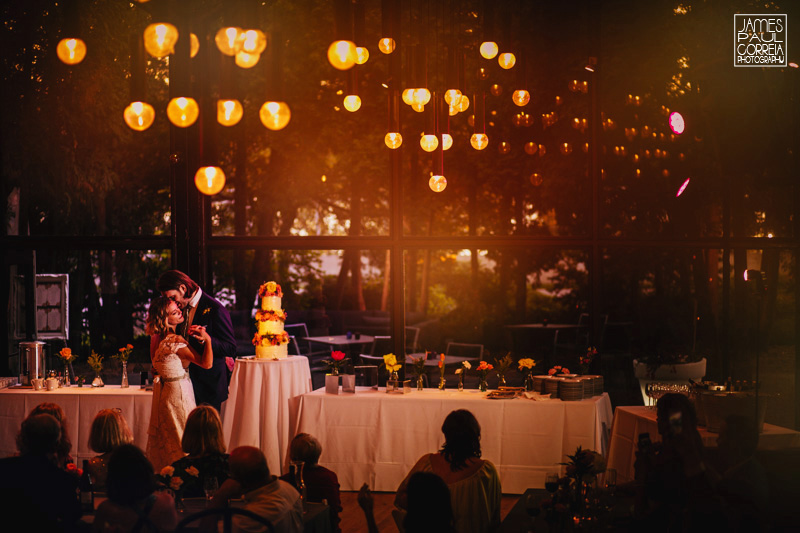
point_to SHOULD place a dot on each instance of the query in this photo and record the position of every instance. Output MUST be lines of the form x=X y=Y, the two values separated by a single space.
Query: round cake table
x=257 y=410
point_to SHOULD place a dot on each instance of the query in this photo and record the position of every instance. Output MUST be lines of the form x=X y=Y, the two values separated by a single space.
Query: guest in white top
x=264 y=494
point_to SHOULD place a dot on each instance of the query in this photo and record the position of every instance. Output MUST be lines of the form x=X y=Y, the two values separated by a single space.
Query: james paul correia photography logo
x=759 y=40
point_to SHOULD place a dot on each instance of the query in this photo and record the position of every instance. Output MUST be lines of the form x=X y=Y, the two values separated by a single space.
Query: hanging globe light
x=209 y=180
x=408 y=96
x=536 y=179
x=342 y=54
x=386 y=45
x=496 y=89
x=229 y=112
x=488 y=49
x=352 y=102
x=565 y=148
x=393 y=140
x=71 y=51
x=429 y=143
x=194 y=45
x=521 y=97
x=437 y=183
x=504 y=147
x=463 y=103
x=254 y=41
x=531 y=147
x=160 y=39
x=245 y=59
x=419 y=108
x=229 y=40
x=139 y=116
x=362 y=55
x=182 y=111
x=451 y=96
x=421 y=96
x=447 y=141
x=506 y=60
x=275 y=115
x=452 y=110
x=479 y=141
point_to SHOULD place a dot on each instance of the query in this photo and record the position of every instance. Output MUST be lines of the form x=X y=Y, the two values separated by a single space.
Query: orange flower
x=441 y=360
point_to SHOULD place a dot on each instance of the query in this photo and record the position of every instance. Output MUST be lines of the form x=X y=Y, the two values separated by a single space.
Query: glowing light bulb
x=496 y=89
x=536 y=179
x=209 y=180
x=437 y=183
x=521 y=97
x=71 y=51
x=352 y=102
x=246 y=60
x=506 y=60
x=160 y=39
x=676 y=123
x=489 y=49
x=482 y=73
x=229 y=112
x=275 y=115
x=479 y=141
x=182 y=111
x=342 y=54
x=463 y=103
x=139 y=116
x=565 y=148
x=393 y=140
x=421 y=96
x=419 y=108
x=451 y=96
x=194 y=45
x=542 y=150
x=362 y=54
x=504 y=147
x=254 y=41
x=229 y=40
x=408 y=96
x=386 y=45
x=531 y=147
x=429 y=143
x=447 y=141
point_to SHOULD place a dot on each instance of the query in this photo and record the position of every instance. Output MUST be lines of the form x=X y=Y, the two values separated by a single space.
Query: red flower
x=337 y=355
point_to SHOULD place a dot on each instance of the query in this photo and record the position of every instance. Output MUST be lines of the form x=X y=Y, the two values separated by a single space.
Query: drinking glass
x=532 y=505
x=551 y=482
x=210 y=486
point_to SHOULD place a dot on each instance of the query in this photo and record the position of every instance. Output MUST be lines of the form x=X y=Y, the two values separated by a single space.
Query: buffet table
x=375 y=437
x=80 y=405
x=630 y=421
x=257 y=410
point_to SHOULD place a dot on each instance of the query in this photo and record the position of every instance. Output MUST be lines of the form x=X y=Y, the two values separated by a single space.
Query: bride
x=173 y=396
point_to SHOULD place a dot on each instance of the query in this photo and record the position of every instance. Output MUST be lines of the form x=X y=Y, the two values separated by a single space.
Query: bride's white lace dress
x=173 y=399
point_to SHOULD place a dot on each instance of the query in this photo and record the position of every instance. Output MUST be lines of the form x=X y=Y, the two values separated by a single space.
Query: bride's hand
x=199 y=333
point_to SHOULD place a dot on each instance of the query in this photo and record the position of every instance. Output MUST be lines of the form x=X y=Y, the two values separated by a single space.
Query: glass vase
x=124 y=383
x=501 y=380
x=66 y=375
x=482 y=385
x=529 y=382
x=420 y=382
x=461 y=382
x=442 y=383
x=98 y=381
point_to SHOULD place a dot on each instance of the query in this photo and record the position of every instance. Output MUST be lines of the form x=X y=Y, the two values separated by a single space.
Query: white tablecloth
x=80 y=405
x=630 y=421
x=257 y=410
x=374 y=437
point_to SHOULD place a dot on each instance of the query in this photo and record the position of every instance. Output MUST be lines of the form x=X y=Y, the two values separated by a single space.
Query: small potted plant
x=460 y=372
x=95 y=361
x=483 y=370
x=502 y=367
x=526 y=367
x=67 y=356
x=332 y=379
x=122 y=356
x=418 y=366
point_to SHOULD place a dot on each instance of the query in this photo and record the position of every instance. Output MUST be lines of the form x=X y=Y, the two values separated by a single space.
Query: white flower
x=467 y=365
x=459 y=370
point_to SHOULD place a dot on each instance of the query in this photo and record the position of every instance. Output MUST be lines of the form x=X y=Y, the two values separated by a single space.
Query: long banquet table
x=375 y=437
x=80 y=405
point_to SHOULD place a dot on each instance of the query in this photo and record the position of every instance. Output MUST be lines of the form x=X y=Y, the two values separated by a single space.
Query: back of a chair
x=464 y=350
x=412 y=339
x=376 y=360
x=381 y=345
x=226 y=514
x=299 y=331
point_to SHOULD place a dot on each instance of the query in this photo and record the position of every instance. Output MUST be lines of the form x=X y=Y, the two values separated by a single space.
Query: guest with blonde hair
x=109 y=431
x=204 y=445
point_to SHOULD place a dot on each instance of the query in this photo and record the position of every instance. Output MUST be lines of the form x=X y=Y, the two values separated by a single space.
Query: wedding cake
x=271 y=341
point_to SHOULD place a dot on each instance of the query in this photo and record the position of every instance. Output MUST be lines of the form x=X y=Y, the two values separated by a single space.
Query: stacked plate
x=598 y=385
x=538 y=383
x=570 y=390
x=588 y=386
x=551 y=386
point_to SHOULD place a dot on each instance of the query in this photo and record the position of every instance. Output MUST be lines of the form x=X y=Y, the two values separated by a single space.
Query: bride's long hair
x=157 y=317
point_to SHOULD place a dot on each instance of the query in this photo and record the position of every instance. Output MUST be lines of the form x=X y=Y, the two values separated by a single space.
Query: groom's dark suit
x=211 y=386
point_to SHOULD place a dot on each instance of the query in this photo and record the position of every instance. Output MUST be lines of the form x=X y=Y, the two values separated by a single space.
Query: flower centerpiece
x=418 y=367
x=585 y=465
x=122 y=356
x=270 y=288
x=582 y=469
x=483 y=370
x=176 y=481
x=336 y=361
x=67 y=356
x=95 y=361
x=558 y=370
x=586 y=359
x=460 y=372
x=525 y=366
x=441 y=372
x=392 y=366
x=502 y=367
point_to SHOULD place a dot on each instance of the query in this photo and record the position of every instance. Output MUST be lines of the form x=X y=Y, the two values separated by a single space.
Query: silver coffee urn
x=31 y=361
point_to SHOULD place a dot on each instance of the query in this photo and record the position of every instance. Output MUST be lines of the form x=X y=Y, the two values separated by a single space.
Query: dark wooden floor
x=353 y=517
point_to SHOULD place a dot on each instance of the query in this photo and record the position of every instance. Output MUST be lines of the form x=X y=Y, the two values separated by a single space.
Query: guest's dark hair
x=38 y=435
x=674 y=402
x=171 y=280
x=64 y=442
x=429 y=507
x=462 y=438
x=130 y=475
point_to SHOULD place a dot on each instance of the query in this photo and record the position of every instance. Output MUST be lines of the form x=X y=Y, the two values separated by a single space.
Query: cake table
x=257 y=410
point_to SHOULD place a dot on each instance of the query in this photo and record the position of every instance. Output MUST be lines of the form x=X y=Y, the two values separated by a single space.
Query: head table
x=374 y=437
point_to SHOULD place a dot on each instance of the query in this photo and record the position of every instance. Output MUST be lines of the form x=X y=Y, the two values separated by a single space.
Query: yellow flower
x=167 y=471
x=526 y=363
x=271 y=286
x=192 y=471
x=390 y=360
x=175 y=483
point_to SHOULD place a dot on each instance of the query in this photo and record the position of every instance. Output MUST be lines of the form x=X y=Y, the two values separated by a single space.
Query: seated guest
x=64 y=443
x=321 y=483
x=133 y=504
x=109 y=431
x=473 y=482
x=204 y=445
x=35 y=494
x=264 y=494
x=743 y=485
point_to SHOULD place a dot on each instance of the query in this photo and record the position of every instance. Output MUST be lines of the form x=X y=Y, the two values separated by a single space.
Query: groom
x=200 y=309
